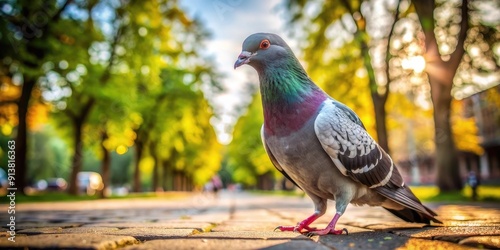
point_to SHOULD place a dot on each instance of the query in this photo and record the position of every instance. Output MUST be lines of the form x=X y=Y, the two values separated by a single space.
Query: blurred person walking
x=473 y=182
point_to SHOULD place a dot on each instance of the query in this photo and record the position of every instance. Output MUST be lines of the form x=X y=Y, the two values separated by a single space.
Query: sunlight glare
x=415 y=63
x=121 y=149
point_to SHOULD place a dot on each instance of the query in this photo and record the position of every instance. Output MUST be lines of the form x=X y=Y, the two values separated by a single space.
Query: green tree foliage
x=345 y=31
x=115 y=76
x=27 y=37
x=247 y=158
x=48 y=155
x=175 y=127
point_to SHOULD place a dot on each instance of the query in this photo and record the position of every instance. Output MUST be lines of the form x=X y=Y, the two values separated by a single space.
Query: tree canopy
x=111 y=78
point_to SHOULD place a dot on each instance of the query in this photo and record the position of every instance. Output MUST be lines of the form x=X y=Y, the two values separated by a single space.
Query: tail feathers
x=431 y=212
x=411 y=215
x=413 y=210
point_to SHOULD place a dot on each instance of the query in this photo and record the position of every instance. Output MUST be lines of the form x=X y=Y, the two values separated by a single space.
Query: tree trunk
x=77 y=157
x=441 y=74
x=176 y=181
x=137 y=170
x=106 y=165
x=190 y=183
x=78 y=122
x=155 y=185
x=156 y=167
x=378 y=99
x=448 y=175
x=170 y=181
x=179 y=181
x=22 y=134
x=380 y=120
x=183 y=181
x=167 y=179
x=36 y=52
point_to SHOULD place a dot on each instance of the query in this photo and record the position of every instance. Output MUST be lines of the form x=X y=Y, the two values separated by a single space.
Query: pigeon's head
x=261 y=50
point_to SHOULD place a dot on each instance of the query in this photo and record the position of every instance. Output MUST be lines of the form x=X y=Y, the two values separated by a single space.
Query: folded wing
x=358 y=156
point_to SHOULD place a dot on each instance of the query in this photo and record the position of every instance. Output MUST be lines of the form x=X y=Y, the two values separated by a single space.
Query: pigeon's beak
x=243 y=58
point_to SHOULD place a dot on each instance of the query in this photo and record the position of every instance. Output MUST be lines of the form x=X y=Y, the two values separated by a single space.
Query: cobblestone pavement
x=238 y=221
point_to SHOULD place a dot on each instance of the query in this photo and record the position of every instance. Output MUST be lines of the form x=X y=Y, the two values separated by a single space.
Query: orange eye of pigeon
x=264 y=44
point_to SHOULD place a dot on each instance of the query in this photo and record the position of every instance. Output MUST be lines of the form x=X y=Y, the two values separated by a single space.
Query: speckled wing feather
x=352 y=149
x=273 y=159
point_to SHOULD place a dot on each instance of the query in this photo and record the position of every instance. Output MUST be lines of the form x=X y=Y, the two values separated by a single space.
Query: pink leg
x=302 y=225
x=330 y=229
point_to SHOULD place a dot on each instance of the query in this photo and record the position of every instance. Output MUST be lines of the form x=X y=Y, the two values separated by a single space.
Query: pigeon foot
x=303 y=225
x=330 y=229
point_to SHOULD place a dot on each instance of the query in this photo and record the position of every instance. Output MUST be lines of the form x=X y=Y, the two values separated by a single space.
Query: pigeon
x=320 y=144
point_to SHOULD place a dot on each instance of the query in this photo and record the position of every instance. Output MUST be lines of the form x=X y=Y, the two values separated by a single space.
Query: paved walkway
x=238 y=221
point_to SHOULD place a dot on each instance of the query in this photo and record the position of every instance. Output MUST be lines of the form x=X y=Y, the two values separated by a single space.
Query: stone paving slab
x=217 y=244
x=255 y=215
x=218 y=213
x=145 y=233
x=258 y=235
x=66 y=241
x=437 y=232
x=471 y=223
x=230 y=226
x=475 y=236
x=241 y=221
x=173 y=224
x=377 y=240
x=414 y=244
x=482 y=241
x=29 y=225
x=210 y=218
x=388 y=225
x=75 y=230
x=350 y=229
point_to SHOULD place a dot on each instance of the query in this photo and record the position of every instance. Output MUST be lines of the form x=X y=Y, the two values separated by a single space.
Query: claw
x=310 y=234
x=285 y=228
x=325 y=232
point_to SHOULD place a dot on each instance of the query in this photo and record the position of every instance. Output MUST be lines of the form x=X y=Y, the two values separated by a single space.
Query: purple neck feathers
x=282 y=118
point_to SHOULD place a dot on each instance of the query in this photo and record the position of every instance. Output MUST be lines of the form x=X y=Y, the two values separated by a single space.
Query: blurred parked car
x=3 y=182
x=89 y=182
x=56 y=184
x=3 y=178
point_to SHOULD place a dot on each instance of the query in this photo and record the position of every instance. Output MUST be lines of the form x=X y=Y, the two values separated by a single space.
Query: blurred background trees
x=390 y=52
x=106 y=77
x=403 y=66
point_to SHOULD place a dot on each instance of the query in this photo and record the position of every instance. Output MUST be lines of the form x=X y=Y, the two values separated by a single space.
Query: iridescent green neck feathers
x=285 y=82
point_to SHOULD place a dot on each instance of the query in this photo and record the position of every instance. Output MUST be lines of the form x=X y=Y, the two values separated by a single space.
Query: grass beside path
x=431 y=193
x=426 y=194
